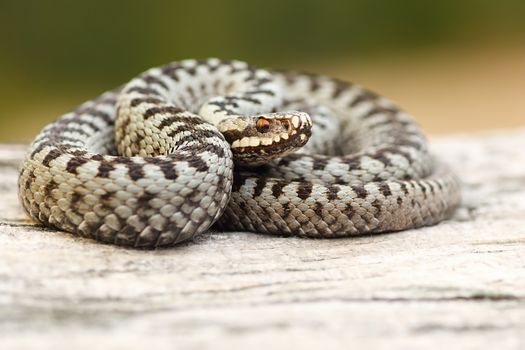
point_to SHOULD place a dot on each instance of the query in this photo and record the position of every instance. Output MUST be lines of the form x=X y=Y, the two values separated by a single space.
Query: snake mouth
x=257 y=141
x=253 y=151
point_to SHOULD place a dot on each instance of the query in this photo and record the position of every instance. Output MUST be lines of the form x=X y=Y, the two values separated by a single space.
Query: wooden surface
x=460 y=284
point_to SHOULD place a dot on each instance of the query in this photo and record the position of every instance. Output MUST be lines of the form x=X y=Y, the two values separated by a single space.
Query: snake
x=211 y=143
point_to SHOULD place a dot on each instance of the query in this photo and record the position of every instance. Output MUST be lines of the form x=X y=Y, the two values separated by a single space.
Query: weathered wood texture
x=460 y=284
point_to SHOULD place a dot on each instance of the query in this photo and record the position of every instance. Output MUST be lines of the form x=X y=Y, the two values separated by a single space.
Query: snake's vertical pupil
x=262 y=125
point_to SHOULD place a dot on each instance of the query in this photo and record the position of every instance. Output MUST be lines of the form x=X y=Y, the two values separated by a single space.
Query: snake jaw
x=256 y=140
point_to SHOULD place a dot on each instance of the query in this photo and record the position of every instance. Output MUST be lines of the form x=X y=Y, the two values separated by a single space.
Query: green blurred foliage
x=108 y=40
x=51 y=48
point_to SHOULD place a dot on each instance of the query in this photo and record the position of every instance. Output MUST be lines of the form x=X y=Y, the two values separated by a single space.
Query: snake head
x=256 y=140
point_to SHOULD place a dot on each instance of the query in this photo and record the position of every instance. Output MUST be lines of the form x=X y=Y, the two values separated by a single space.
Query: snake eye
x=262 y=125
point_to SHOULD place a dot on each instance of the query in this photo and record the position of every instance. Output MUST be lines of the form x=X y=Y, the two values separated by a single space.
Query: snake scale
x=196 y=142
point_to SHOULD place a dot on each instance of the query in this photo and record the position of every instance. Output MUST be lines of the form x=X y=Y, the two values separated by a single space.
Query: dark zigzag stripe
x=150 y=79
x=162 y=110
x=364 y=96
x=177 y=118
x=143 y=90
x=151 y=99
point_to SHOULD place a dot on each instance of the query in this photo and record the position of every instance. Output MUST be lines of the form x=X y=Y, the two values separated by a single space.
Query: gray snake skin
x=151 y=164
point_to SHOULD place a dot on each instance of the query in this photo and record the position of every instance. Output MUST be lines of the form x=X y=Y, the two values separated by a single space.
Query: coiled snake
x=151 y=163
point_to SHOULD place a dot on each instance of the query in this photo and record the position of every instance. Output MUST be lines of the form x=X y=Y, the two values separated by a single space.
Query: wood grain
x=460 y=284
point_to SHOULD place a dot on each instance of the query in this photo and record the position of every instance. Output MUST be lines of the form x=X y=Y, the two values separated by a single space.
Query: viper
x=193 y=143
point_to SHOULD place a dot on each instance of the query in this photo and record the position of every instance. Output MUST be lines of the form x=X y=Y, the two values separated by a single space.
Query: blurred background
x=457 y=65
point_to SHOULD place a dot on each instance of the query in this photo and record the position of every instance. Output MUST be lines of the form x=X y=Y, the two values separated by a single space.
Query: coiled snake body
x=151 y=163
